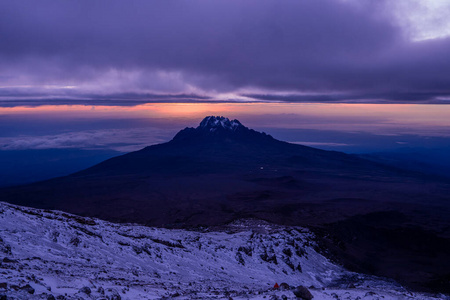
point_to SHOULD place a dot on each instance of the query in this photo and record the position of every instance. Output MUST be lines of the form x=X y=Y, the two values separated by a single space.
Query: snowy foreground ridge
x=55 y=255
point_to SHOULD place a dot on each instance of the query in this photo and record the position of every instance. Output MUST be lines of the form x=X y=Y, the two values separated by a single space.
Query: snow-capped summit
x=211 y=123
x=219 y=128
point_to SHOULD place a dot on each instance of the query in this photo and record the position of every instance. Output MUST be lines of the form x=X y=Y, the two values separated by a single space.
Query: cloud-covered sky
x=194 y=51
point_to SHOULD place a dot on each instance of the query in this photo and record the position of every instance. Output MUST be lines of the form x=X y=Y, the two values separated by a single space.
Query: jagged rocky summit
x=219 y=127
x=213 y=123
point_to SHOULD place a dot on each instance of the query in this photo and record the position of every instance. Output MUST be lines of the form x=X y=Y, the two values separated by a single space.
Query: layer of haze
x=46 y=141
x=133 y=127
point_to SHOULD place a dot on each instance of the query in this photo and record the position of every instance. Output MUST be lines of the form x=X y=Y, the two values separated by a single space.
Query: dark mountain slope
x=222 y=170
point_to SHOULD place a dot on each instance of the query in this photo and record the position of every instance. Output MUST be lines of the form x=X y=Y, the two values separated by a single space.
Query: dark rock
x=3 y=297
x=28 y=288
x=60 y=297
x=272 y=258
x=168 y=243
x=113 y=294
x=101 y=290
x=287 y=251
x=137 y=249
x=247 y=250
x=3 y=285
x=240 y=259
x=86 y=290
x=9 y=260
x=51 y=297
x=288 y=262
x=284 y=286
x=5 y=248
x=75 y=241
x=54 y=235
x=284 y=297
x=303 y=293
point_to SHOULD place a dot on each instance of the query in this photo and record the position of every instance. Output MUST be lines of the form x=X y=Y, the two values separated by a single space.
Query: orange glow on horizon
x=402 y=115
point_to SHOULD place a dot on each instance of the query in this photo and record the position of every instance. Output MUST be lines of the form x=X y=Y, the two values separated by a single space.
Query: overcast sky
x=193 y=51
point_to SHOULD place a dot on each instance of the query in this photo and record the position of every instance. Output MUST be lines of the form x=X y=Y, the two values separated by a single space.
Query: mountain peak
x=219 y=128
x=212 y=123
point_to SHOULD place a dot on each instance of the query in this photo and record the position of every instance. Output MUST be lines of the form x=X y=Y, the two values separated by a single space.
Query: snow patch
x=211 y=123
x=56 y=253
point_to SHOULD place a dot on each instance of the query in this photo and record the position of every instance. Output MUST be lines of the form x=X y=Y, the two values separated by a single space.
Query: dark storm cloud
x=22 y=93
x=220 y=46
x=388 y=97
x=100 y=102
x=31 y=97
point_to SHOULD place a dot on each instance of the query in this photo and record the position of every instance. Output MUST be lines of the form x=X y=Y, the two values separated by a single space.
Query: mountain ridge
x=241 y=157
x=219 y=128
x=218 y=142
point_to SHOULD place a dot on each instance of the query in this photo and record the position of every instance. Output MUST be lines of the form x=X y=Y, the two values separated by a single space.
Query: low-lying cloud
x=122 y=140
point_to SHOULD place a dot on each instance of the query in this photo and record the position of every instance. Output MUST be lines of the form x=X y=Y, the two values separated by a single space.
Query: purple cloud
x=212 y=48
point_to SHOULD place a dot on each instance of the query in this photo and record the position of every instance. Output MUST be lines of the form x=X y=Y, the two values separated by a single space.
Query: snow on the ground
x=70 y=257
